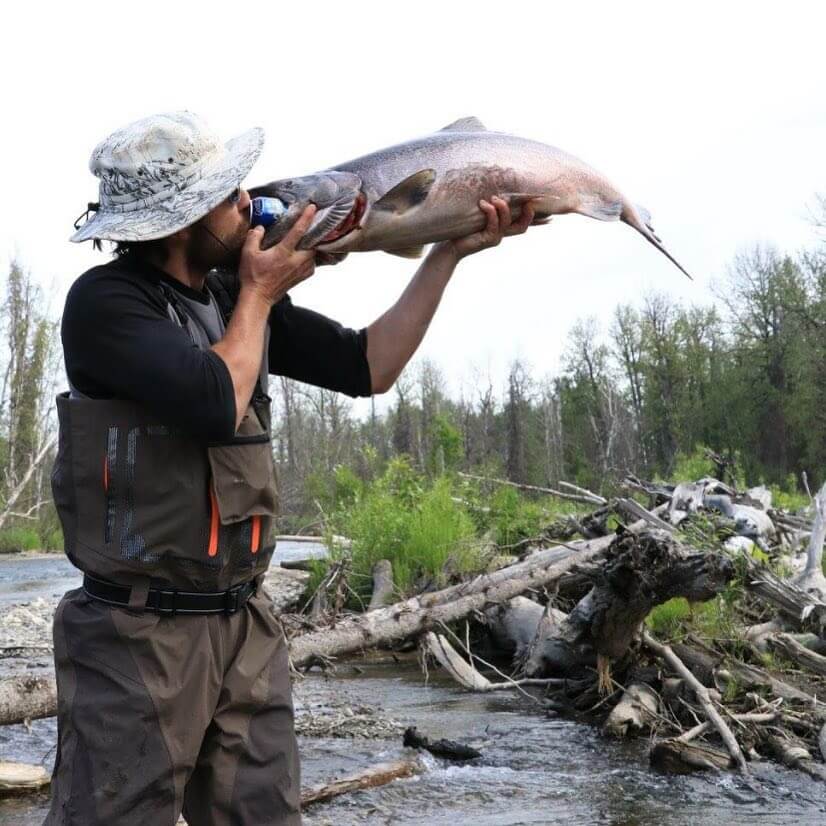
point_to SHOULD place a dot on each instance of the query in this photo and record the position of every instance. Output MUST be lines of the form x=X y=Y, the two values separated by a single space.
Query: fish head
x=337 y=195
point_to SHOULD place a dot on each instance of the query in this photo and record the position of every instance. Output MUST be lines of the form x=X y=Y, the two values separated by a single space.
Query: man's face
x=216 y=240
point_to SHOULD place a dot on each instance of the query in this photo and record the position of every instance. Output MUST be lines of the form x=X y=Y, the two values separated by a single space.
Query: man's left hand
x=499 y=225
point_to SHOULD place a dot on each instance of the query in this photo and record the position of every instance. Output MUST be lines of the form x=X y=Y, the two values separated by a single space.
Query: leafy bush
x=514 y=518
x=788 y=496
x=423 y=531
x=688 y=467
x=14 y=540
x=53 y=540
x=665 y=620
x=715 y=619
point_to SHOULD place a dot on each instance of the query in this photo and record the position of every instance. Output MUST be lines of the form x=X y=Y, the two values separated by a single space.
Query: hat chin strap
x=208 y=230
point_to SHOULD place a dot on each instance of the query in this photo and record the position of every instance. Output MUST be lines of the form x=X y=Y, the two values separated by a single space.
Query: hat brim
x=183 y=208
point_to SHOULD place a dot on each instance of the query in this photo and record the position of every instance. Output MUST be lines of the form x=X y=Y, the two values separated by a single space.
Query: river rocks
x=28 y=624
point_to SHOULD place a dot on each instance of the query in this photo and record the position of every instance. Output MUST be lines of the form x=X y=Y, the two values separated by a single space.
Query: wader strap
x=170 y=601
x=139 y=594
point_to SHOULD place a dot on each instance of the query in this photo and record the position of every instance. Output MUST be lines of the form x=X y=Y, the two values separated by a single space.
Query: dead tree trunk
x=383 y=587
x=640 y=572
x=419 y=614
x=812 y=580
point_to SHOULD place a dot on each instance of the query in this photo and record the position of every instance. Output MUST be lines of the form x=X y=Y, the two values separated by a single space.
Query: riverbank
x=535 y=768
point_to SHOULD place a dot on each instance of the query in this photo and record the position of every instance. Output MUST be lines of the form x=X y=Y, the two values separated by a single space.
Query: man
x=172 y=670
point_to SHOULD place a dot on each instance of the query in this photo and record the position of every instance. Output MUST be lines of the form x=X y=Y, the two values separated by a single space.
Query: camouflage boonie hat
x=161 y=174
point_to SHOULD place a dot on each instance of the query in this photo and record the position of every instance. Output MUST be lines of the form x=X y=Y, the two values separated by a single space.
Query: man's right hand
x=271 y=273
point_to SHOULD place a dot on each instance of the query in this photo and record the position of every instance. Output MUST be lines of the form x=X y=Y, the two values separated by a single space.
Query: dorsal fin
x=407 y=194
x=470 y=124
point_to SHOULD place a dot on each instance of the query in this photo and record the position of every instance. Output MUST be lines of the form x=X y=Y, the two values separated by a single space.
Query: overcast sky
x=713 y=117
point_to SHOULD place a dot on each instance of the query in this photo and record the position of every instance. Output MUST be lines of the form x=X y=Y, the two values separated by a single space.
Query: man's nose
x=244 y=201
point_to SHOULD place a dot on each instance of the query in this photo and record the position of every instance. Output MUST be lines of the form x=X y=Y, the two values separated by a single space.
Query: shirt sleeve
x=311 y=348
x=119 y=342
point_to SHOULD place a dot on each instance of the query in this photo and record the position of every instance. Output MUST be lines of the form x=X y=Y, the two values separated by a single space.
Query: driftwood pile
x=715 y=703
x=565 y=625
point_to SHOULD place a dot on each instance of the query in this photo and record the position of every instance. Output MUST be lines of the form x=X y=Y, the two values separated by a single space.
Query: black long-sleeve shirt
x=119 y=342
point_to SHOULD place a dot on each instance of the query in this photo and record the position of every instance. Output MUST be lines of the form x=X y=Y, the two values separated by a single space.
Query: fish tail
x=640 y=219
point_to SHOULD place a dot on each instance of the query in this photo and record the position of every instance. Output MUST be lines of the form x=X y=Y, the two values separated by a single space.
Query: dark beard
x=207 y=251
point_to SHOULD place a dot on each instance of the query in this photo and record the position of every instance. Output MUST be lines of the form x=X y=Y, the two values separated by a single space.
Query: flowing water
x=534 y=769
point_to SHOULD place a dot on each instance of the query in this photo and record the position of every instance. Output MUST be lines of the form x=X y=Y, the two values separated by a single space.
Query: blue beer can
x=265 y=212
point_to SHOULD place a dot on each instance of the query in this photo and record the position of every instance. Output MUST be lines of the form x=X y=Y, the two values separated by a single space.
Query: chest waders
x=163 y=709
x=140 y=500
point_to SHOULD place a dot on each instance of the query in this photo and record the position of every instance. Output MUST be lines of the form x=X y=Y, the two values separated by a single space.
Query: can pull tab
x=264 y=212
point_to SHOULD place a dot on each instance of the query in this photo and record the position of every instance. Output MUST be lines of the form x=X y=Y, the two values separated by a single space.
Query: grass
x=715 y=619
x=433 y=531
x=426 y=534
x=15 y=540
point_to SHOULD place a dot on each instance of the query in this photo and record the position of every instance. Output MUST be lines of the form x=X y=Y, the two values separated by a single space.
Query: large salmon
x=401 y=198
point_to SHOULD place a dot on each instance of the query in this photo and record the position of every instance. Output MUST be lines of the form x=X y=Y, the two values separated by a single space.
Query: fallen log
x=703 y=662
x=790 y=648
x=635 y=712
x=379 y=775
x=640 y=572
x=675 y=756
x=703 y=698
x=513 y=624
x=466 y=675
x=27 y=698
x=637 y=511
x=21 y=778
x=802 y=610
x=792 y=753
x=586 y=497
x=414 y=616
x=446 y=749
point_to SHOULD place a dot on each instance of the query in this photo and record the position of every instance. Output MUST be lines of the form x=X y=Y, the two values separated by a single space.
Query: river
x=535 y=768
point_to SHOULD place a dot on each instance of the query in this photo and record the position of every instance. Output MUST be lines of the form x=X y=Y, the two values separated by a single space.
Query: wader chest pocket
x=149 y=479
x=243 y=476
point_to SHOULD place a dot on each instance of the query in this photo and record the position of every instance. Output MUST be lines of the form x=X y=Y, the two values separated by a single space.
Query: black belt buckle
x=232 y=599
x=162 y=607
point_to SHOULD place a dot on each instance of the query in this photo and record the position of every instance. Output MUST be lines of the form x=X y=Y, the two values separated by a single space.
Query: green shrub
x=665 y=620
x=689 y=467
x=514 y=518
x=714 y=619
x=448 y=448
x=442 y=539
x=53 y=540
x=14 y=540
x=788 y=496
x=425 y=533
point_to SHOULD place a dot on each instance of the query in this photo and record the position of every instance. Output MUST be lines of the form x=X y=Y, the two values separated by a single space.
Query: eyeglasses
x=235 y=196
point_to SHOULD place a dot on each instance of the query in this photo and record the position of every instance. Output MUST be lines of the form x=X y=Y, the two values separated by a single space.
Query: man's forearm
x=394 y=336
x=242 y=347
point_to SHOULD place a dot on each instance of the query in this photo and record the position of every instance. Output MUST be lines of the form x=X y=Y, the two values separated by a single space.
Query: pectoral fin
x=407 y=194
x=408 y=252
x=595 y=207
x=470 y=124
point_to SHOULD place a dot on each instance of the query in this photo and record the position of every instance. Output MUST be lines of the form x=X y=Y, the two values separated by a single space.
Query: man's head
x=169 y=177
x=213 y=241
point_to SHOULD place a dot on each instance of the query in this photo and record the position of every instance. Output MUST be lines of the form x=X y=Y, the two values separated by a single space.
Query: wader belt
x=170 y=601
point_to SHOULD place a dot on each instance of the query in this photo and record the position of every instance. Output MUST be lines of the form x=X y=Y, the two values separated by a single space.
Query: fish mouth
x=350 y=222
